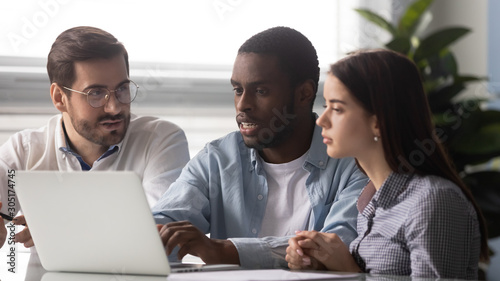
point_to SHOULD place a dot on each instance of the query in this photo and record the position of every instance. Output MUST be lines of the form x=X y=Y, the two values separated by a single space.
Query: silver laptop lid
x=91 y=222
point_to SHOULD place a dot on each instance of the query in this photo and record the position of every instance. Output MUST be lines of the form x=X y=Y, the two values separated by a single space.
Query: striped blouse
x=421 y=226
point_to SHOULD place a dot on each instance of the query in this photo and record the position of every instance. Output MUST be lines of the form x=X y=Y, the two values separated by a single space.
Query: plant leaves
x=447 y=90
x=485 y=141
x=400 y=45
x=437 y=41
x=409 y=21
x=481 y=134
x=470 y=135
x=484 y=188
x=480 y=179
x=448 y=64
x=378 y=20
x=462 y=160
x=469 y=78
x=440 y=67
x=440 y=99
x=488 y=117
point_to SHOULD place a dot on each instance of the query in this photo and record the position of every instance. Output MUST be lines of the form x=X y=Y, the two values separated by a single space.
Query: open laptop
x=98 y=222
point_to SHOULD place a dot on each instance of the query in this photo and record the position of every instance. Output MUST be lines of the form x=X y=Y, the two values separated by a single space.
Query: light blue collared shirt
x=223 y=191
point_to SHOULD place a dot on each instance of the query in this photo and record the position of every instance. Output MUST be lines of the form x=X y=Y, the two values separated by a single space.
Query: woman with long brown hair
x=416 y=217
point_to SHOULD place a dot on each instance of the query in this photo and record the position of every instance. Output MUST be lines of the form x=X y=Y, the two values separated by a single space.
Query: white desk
x=28 y=268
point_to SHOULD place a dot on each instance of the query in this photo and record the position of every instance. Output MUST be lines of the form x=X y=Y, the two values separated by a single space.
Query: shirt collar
x=366 y=196
x=64 y=147
x=317 y=152
x=392 y=187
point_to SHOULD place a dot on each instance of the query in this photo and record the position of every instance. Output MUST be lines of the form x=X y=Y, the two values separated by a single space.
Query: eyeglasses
x=98 y=97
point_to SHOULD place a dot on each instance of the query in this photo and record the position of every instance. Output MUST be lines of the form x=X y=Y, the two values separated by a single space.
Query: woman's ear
x=59 y=97
x=375 y=126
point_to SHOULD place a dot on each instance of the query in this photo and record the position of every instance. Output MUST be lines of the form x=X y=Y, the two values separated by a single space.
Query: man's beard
x=269 y=138
x=92 y=134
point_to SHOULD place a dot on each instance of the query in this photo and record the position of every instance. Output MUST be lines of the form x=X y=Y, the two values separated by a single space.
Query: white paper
x=256 y=275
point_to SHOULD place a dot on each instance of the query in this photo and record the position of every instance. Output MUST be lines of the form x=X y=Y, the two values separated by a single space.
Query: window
x=180 y=52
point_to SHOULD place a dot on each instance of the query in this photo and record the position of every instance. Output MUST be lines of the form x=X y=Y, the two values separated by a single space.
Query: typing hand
x=23 y=236
x=192 y=241
x=3 y=231
x=328 y=249
x=297 y=254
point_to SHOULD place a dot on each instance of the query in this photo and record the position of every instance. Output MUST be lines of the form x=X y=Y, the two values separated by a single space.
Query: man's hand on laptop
x=192 y=241
x=23 y=236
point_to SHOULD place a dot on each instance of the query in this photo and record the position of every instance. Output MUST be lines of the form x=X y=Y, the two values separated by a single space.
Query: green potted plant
x=470 y=134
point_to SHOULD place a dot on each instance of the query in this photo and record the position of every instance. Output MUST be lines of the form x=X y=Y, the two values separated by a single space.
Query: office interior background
x=181 y=52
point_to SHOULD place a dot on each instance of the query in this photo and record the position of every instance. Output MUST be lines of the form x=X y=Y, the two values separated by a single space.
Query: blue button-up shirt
x=223 y=191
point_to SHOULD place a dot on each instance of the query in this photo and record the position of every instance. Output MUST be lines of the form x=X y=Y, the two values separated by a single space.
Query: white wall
x=471 y=51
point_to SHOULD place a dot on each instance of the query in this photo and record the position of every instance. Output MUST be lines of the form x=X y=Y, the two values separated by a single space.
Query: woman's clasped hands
x=320 y=251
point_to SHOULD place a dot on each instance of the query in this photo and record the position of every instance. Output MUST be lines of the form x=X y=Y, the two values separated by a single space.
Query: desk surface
x=28 y=268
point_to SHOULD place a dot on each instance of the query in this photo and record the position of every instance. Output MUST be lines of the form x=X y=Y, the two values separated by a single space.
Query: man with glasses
x=98 y=97
x=90 y=85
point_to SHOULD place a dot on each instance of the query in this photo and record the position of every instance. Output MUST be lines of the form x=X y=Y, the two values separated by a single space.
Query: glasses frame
x=107 y=96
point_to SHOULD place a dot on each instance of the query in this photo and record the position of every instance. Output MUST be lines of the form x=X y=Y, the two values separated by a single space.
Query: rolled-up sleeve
x=266 y=252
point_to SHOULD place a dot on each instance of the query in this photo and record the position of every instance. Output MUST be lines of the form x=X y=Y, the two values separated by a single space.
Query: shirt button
x=254 y=230
x=260 y=197
x=321 y=163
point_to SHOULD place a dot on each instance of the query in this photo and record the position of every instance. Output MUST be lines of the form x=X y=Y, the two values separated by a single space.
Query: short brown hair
x=79 y=44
